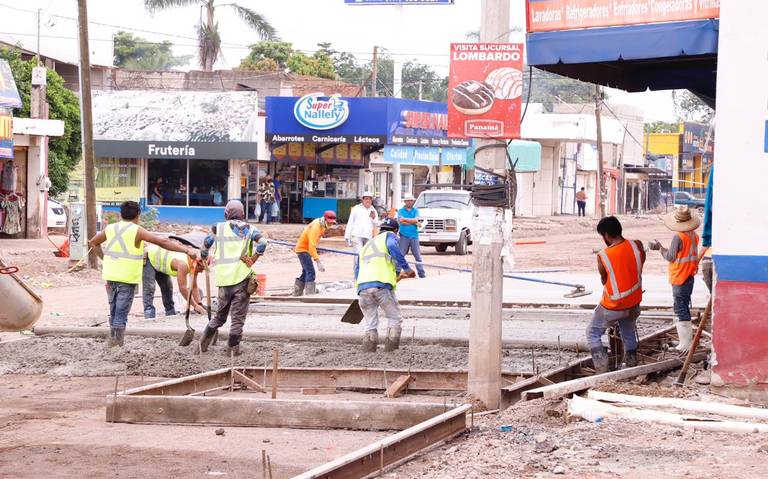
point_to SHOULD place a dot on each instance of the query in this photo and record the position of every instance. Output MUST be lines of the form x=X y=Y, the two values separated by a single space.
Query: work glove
x=320 y=266
x=654 y=245
x=407 y=274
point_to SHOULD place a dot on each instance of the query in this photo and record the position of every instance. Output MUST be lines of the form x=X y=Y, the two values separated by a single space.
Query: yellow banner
x=118 y=194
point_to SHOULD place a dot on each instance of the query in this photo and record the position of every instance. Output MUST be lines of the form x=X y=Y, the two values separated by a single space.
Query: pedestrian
x=363 y=219
x=683 y=258
x=267 y=194
x=123 y=260
x=156 y=198
x=408 y=216
x=620 y=265
x=238 y=247
x=306 y=250
x=278 y=183
x=581 y=201
x=375 y=280
x=160 y=265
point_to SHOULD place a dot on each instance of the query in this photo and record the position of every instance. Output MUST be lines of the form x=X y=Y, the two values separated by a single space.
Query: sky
x=421 y=33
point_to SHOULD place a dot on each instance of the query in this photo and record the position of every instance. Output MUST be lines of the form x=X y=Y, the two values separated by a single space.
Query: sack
x=258 y=211
x=275 y=211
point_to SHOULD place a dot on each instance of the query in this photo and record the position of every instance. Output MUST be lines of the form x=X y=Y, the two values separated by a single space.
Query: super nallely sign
x=319 y=112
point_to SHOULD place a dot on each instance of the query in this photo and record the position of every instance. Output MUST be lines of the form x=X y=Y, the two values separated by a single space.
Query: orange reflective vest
x=686 y=263
x=624 y=265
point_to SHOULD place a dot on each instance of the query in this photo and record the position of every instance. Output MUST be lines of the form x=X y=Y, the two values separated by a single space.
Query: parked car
x=57 y=215
x=445 y=216
x=693 y=202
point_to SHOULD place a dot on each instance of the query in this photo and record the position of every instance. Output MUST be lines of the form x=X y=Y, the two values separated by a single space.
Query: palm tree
x=209 y=41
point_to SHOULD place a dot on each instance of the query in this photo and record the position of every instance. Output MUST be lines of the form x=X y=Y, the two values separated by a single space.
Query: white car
x=444 y=219
x=57 y=215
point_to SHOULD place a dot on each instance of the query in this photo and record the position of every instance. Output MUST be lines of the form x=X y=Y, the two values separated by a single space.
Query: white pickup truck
x=444 y=219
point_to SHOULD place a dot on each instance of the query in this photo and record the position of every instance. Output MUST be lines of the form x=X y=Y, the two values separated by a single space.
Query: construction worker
x=306 y=250
x=683 y=258
x=408 y=217
x=620 y=265
x=238 y=247
x=376 y=280
x=123 y=262
x=160 y=266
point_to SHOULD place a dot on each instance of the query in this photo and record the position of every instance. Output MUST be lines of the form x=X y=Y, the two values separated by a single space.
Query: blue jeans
x=120 y=296
x=307 y=268
x=682 y=296
x=603 y=318
x=266 y=212
x=582 y=207
x=149 y=277
x=412 y=244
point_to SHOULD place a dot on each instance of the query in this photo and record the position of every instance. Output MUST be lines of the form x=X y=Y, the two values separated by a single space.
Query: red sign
x=484 y=89
x=548 y=15
x=426 y=120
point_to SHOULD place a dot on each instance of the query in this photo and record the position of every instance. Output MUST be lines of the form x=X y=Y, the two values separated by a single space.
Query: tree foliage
x=689 y=107
x=63 y=152
x=136 y=53
x=662 y=127
x=267 y=56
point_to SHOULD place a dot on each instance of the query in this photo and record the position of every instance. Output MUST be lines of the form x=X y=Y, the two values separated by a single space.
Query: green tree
x=208 y=38
x=277 y=52
x=689 y=107
x=136 y=53
x=64 y=151
x=662 y=126
x=280 y=56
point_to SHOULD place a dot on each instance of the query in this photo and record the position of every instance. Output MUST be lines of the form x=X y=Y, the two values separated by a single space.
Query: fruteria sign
x=485 y=87
x=549 y=15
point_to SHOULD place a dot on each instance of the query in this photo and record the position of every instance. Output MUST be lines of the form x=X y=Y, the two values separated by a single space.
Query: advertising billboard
x=485 y=86
x=550 y=15
x=399 y=2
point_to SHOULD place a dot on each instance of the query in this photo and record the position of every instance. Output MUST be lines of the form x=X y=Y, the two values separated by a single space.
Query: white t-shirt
x=360 y=223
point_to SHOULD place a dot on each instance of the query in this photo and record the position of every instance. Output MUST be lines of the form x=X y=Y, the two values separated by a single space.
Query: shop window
x=167 y=182
x=117 y=172
x=208 y=182
x=406 y=184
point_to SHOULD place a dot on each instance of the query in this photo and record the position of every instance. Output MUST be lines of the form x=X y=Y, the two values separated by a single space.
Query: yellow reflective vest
x=161 y=259
x=123 y=261
x=230 y=248
x=375 y=263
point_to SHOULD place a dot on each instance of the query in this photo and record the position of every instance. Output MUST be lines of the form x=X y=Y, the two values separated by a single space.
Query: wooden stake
x=275 y=361
x=269 y=466
x=247 y=381
x=263 y=464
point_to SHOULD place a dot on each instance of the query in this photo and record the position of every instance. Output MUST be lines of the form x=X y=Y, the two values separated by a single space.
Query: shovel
x=354 y=314
x=208 y=293
x=189 y=334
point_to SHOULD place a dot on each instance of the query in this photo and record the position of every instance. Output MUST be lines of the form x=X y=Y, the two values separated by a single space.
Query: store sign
x=549 y=15
x=321 y=113
x=354 y=139
x=9 y=95
x=206 y=150
x=485 y=86
x=427 y=156
x=6 y=136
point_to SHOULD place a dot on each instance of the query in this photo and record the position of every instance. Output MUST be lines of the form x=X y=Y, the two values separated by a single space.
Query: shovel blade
x=189 y=335
x=354 y=314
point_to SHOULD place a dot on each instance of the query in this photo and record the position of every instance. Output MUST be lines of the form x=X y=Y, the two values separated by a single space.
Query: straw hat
x=682 y=220
x=409 y=198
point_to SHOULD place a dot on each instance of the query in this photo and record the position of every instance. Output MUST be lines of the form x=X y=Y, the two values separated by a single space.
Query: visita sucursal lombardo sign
x=320 y=112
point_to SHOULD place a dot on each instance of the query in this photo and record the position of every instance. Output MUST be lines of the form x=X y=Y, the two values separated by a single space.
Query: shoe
x=298 y=288
x=393 y=340
x=685 y=335
x=171 y=313
x=233 y=345
x=310 y=288
x=630 y=358
x=207 y=338
x=422 y=276
x=116 y=337
x=600 y=361
x=370 y=340
x=149 y=314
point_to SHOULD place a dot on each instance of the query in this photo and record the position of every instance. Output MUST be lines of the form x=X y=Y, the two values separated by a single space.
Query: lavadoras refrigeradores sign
x=321 y=113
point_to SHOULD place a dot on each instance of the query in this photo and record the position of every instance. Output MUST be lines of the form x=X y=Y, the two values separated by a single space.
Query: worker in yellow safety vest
x=123 y=263
x=683 y=258
x=620 y=266
x=238 y=246
x=160 y=266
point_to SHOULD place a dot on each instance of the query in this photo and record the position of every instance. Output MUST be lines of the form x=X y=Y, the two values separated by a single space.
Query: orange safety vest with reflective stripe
x=686 y=263
x=624 y=288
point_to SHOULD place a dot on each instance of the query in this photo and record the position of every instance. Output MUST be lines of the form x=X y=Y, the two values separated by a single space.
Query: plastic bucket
x=262 y=289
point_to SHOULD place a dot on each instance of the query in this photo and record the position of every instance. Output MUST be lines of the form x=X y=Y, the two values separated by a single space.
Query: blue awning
x=658 y=56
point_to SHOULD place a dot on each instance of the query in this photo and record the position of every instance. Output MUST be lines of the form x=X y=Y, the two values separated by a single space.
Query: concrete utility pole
x=397 y=92
x=600 y=179
x=375 y=72
x=86 y=115
x=484 y=381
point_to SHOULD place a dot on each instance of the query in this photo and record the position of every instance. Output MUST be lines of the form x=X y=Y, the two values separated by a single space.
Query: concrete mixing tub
x=21 y=307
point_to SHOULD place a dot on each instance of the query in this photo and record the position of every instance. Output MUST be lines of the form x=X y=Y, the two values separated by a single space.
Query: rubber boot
x=370 y=340
x=630 y=358
x=118 y=339
x=600 y=360
x=111 y=342
x=685 y=334
x=233 y=345
x=215 y=338
x=207 y=338
x=393 y=340
x=310 y=288
x=298 y=287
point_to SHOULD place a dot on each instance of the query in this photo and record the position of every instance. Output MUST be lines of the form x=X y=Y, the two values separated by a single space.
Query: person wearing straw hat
x=408 y=217
x=683 y=258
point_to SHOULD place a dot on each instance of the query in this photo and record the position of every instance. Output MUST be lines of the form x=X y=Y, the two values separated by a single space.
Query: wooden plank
x=250 y=383
x=316 y=391
x=264 y=412
x=395 y=449
x=400 y=385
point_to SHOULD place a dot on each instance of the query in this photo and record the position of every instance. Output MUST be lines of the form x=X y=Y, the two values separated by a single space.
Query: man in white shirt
x=362 y=221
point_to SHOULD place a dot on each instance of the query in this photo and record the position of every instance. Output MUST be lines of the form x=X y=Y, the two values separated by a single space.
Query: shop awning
x=526 y=155
x=659 y=56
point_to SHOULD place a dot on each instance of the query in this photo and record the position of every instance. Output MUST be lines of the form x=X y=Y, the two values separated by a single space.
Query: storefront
x=179 y=153
x=323 y=148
